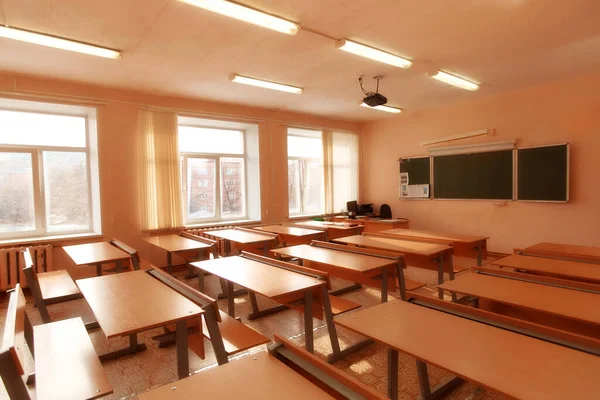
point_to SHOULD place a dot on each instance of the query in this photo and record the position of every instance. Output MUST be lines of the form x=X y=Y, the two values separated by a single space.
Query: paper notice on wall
x=414 y=191
x=403 y=178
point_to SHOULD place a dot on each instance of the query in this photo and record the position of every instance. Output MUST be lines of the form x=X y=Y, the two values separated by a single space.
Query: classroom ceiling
x=174 y=48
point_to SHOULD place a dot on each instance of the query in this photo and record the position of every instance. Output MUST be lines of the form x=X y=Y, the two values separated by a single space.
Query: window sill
x=304 y=216
x=51 y=239
x=223 y=223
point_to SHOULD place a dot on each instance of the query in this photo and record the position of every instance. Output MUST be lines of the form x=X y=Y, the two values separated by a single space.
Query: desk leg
x=183 y=364
x=133 y=348
x=309 y=344
x=451 y=273
x=230 y=300
x=401 y=281
x=440 y=275
x=169 y=262
x=98 y=269
x=216 y=339
x=479 y=254
x=200 y=275
x=438 y=392
x=118 y=266
x=392 y=374
x=384 y=285
x=227 y=245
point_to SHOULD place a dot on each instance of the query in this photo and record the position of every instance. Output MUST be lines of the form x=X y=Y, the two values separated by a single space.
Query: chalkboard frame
x=430 y=183
x=568 y=186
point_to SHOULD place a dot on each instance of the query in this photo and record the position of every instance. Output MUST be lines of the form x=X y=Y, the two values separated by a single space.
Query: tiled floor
x=154 y=367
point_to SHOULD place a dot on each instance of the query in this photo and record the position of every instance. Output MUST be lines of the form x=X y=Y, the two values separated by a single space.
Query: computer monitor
x=352 y=207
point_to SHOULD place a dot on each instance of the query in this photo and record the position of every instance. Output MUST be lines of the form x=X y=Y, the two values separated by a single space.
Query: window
x=219 y=170
x=305 y=172
x=344 y=159
x=48 y=170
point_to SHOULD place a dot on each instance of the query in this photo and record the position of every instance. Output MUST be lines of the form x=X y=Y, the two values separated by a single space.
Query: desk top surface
x=131 y=302
x=288 y=230
x=258 y=376
x=510 y=363
x=239 y=236
x=582 y=306
x=563 y=268
x=264 y=279
x=395 y=245
x=440 y=237
x=568 y=249
x=173 y=243
x=337 y=258
x=94 y=253
x=330 y=225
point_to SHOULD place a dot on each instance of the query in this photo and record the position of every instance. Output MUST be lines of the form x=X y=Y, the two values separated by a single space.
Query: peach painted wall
x=566 y=111
x=119 y=155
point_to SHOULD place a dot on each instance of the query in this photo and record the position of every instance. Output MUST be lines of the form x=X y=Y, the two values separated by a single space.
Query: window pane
x=201 y=188
x=16 y=193
x=233 y=198
x=308 y=147
x=208 y=140
x=294 y=187
x=313 y=193
x=67 y=192
x=27 y=128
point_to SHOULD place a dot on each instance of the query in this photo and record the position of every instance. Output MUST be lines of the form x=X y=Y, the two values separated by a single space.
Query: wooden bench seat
x=340 y=305
x=66 y=364
x=234 y=336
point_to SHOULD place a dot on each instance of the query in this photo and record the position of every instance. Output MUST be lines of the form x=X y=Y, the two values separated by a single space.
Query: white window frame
x=217 y=197
x=39 y=198
x=322 y=208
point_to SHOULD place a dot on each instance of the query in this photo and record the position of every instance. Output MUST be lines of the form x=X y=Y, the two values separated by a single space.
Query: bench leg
x=169 y=262
x=384 y=285
x=479 y=254
x=230 y=300
x=98 y=269
x=257 y=312
x=183 y=364
x=437 y=392
x=392 y=373
x=309 y=344
x=133 y=348
x=401 y=281
x=451 y=273
x=118 y=266
x=441 y=276
x=215 y=336
x=200 y=278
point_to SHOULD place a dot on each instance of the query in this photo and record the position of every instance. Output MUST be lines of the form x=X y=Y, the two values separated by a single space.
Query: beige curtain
x=341 y=162
x=160 y=192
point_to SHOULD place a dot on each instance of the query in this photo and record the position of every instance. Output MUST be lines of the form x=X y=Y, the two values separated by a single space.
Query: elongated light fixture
x=372 y=53
x=455 y=81
x=383 y=108
x=265 y=84
x=246 y=14
x=56 y=42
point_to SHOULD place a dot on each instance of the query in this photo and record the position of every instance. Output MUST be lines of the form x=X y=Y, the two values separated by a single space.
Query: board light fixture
x=455 y=81
x=57 y=42
x=372 y=53
x=265 y=84
x=460 y=136
x=247 y=14
x=383 y=108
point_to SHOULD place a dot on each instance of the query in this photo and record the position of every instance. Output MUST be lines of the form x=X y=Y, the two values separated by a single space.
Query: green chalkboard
x=417 y=168
x=480 y=176
x=543 y=173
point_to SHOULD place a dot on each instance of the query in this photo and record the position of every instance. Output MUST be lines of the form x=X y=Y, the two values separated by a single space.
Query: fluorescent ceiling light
x=384 y=108
x=56 y=42
x=265 y=84
x=455 y=81
x=373 y=54
x=247 y=14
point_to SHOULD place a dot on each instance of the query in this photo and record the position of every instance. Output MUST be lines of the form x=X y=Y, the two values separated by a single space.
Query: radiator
x=12 y=263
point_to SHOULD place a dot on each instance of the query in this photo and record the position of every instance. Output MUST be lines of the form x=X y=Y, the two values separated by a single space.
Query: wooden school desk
x=242 y=237
x=333 y=229
x=567 y=252
x=565 y=303
x=419 y=254
x=355 y=265
x=285 y=372
x=292 y=235
x=132 y=302
x=464 y=245
x=510 y=363
x=376 y=224
x=570 y=270
x=96 y=254
x=266 y=277
x=175 y=243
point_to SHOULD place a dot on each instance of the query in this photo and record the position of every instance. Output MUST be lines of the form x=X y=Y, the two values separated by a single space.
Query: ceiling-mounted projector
x=373 y=99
